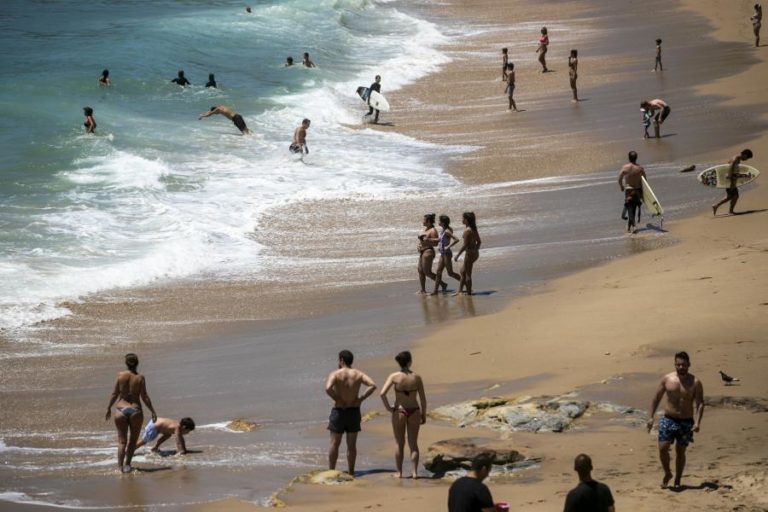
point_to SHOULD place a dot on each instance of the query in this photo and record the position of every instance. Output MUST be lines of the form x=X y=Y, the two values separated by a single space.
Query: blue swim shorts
x=673 y=430
x=149 y=433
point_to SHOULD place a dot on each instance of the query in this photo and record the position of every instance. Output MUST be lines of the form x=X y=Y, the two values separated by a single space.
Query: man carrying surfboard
x=732 y=192
x=375 y=86
x=631 y=183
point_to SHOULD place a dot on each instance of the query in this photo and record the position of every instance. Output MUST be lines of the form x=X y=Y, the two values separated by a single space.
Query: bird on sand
x=727 y=379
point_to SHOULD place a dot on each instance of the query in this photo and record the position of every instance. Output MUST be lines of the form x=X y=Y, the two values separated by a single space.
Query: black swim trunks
x=661 y=116
x=732 y=192
x=344 y=420
x=238 y=121
x=294 y=148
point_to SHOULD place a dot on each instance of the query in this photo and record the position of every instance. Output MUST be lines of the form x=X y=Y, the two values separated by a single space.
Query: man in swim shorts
x=343 y=386
x=630 y=182
x=299 y=143
x=227 y=112
x=659 y=110
x=682 y=416
x=732 y=192
x=166 y=428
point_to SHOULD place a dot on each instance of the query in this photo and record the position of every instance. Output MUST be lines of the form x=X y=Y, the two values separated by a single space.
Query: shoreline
x=447 y=383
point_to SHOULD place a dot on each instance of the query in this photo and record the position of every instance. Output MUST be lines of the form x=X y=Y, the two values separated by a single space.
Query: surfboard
x=716 y=176
x=378 y=101
x=650 y=200
x=363 y=92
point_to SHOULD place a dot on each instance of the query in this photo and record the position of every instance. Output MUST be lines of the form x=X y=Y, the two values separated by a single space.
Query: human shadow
x=484 y=293
x=388 y=123
x=171 y=453
x=750 y=212
x=152 y=470
x=374 y=471
x=651 y=227
x=703 y=486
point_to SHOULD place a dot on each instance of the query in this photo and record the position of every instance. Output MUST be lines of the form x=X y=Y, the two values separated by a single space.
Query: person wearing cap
x=90 y=123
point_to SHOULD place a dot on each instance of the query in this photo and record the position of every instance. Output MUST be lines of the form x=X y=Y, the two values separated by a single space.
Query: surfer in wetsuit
x=299 y=143
x=211 y=81
x=375 y=86
x=90 y=123
x=225 y=111
x=631 y=184
x=732 y=192
x=409 y=412
x=181 y=79
x=130 y=390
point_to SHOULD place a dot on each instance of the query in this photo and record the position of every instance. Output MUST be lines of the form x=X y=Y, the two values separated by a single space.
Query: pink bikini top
x=544 y=40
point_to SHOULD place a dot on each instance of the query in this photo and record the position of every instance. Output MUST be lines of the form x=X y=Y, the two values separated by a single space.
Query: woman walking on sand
x=445 y=241
x=408 y=413
x=426 y=247
x=471 y=245
x=573 y=64
x=542 y=49
x=757 y=22
x=130 y=388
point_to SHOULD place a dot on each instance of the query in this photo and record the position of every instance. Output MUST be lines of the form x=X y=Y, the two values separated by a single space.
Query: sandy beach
x=604 y=333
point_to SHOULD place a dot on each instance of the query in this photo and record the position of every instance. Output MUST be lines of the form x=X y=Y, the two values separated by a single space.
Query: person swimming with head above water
x=130 y=390
x=409 y=411
x=90 y=122
x=181 y=79
x=227 y=112
x=211 y=81
x=104 y=79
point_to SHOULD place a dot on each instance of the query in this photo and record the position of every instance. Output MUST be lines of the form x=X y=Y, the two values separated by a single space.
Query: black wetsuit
x=182 y=81
x=375 y=86
x=211 y=83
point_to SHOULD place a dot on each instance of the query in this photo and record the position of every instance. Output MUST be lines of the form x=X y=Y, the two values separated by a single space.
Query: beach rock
x=457 y=454
x=242 y=425
x=276 y=502
x=370 y=415
x=738 y=402
x=325 y=477
x=536 y=415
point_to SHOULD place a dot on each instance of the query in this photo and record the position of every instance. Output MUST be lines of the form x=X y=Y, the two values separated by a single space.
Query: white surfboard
x=716 y=176
x=378 y=101
x=650 y=200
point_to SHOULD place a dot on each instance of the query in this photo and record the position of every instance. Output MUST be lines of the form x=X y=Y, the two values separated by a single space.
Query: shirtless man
x=166 y=428
x=732 y=192
x=227 y=112
x=659 y=110
x=682 y=415
x=299 y=143
x=632 y=186
x=343 y=386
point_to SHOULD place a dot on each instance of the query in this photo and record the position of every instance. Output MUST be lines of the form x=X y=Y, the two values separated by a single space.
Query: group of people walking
x=444 y=240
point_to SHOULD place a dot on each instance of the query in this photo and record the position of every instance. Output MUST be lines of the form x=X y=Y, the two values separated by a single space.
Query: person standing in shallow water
x=682 y=416
x=426 y=247
x=211 y=81
x=542 y=49
x=409 y=412
x=445 y=241
x=757 y=22
x=90 y=123
x=130 y=390
x=504 y=62
x=181 y=79
x=732 y=192
x=658 y=66
x=573 y=65
x=307 y=62
x=471 y=245
x=510 y=89
x=104 y=80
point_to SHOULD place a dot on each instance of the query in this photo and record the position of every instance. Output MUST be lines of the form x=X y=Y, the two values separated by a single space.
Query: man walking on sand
x=682 y=416
x=227 y=112
x=630 y=182
x=732 y=192
x=590 y=495
x=343 y=386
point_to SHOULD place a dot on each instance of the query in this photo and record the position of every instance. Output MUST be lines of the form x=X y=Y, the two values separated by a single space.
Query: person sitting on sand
x=659 y=110
x=757 y=22
x=682 y=415
x=104 y=80
x=445 y=241
x=732 y=192
x=181 y=79
x=130 y=390
x=657 y=65
x=409 y=412
x=299 y=142
x=510 y=88
x=471 y=245
x=90 y=122
x=573 y=66
x=631 y=183
x=469 y=493
x=211 y=81
x=166 y=428
x=426 y=247
x=343 y=386
x=227 y=112
x=542 y=49
x=590 y=495
x=504 y=62
x=307 y=63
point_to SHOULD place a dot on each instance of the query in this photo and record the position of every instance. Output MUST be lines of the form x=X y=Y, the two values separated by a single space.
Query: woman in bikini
x=757 y=22
x=573 y=65
x=542 y=49
x=471 y=246
x=445 y=241
x=90 y=123
x=426 y=247
x=130 y=388
x=407 y=415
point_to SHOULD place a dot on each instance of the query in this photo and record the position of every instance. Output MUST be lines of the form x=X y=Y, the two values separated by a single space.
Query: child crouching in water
x=165 y=428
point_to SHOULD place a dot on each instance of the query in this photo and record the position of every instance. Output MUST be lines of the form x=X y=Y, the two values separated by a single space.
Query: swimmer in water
x=211 y=81
x=299 y=143
x=104 y=79
x=307 y=63
x=227 y=112
x=288 y=62
x=181 y=79
x=90 y=123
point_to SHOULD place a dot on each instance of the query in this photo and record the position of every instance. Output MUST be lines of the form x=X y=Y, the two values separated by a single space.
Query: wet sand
x=248 y=331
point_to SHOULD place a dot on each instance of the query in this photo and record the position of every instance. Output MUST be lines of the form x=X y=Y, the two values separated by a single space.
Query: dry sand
x=610 y=330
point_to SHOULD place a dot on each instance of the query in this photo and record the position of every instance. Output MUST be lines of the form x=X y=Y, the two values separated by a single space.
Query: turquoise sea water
x=156 y=193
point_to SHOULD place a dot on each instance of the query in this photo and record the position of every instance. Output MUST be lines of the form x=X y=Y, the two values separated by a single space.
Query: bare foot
x=421 y=292
x=433 y=294
x=714 y=211
x=665 y=481
x=444 y=286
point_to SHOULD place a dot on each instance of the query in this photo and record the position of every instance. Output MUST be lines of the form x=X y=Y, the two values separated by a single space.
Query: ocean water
x=158 y=194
